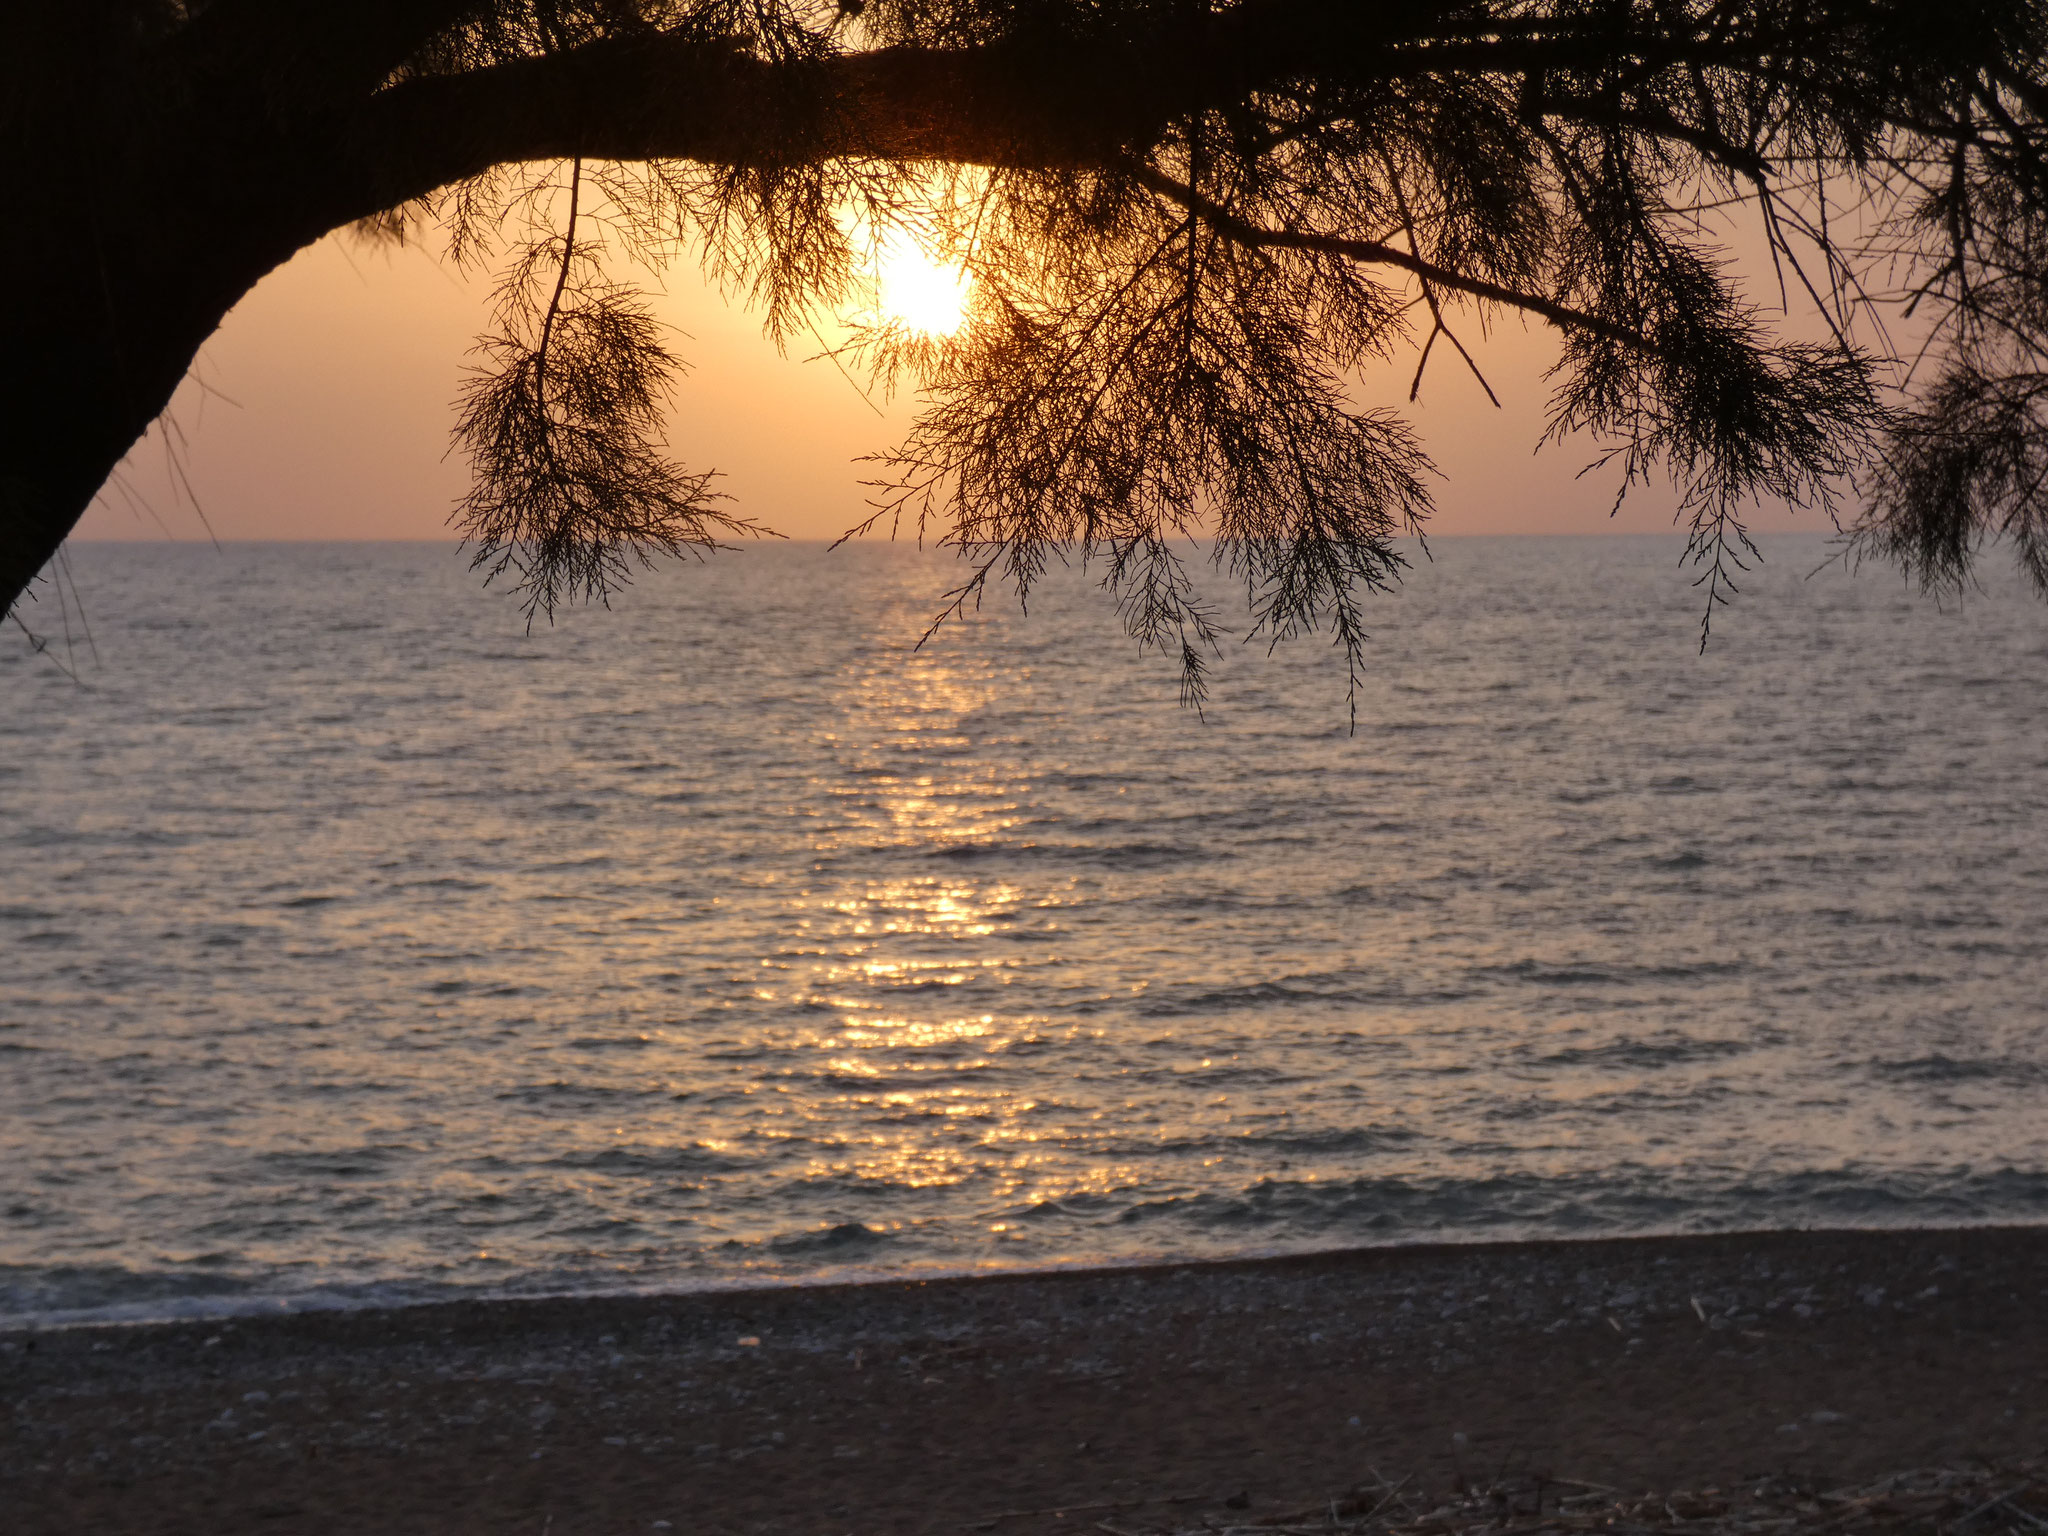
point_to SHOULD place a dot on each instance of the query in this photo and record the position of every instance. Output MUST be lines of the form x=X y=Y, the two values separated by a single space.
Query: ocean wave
x=1938 y=1068
x=1610 y=974
x=1522 y=1205
x=834 y=1240
x=1338 y=988
x=1688 y=860
x=1139 y=855
x=1662 y=1051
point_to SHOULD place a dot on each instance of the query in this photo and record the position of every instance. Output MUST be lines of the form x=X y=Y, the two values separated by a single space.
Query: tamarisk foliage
x=562 y=424
x=1212 y=243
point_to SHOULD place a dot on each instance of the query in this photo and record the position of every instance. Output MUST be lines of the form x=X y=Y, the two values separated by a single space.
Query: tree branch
x=1246 y=233
x=1085 y=99
x=1079 y=102
x=310 y=51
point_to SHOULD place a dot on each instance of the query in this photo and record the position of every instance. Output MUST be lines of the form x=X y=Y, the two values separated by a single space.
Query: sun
x=916 y=291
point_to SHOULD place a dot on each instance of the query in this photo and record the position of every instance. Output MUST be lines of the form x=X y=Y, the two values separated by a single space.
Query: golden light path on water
x=958 y=1122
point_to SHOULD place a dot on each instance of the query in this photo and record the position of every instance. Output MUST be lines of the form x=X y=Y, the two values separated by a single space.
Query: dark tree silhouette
x=1193 y=224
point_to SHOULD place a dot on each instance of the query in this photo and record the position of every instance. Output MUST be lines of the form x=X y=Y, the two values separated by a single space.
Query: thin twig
x=547 y=325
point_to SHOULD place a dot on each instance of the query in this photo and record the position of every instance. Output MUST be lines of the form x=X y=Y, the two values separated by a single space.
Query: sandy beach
x=1041 y=1403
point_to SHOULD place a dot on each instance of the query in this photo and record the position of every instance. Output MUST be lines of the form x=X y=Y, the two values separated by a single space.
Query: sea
x=359 y=946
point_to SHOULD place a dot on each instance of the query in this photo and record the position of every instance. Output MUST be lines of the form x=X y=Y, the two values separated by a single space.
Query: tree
x=1193 y=223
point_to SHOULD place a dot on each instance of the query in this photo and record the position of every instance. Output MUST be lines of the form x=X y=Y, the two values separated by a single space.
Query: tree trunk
x=145 y=215
x=160 y=169
x=79 y=392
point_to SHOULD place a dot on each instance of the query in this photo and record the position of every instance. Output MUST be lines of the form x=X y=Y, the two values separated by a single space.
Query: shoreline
x=1162 y=1392
x=320 y=1302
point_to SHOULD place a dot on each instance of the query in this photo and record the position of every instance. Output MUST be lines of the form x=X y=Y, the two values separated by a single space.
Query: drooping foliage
x=1205 y=234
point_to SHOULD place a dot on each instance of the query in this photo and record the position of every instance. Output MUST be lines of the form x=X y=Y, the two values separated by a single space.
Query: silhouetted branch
x=1193 y=228
x=1378 y=251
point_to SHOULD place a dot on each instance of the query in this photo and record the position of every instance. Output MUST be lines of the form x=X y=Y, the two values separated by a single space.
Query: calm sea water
x=356 y=946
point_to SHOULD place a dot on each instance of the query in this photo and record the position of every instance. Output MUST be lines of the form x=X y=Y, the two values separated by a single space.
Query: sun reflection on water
x=916 y=1085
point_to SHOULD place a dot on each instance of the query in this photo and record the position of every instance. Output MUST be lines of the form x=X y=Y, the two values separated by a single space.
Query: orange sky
x=327 y=413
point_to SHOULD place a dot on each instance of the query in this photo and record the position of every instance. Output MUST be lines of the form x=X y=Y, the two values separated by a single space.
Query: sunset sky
x=326 y=412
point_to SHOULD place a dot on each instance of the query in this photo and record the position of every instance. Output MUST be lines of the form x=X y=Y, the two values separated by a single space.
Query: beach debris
x=1986 y=1500
x=750 y=1341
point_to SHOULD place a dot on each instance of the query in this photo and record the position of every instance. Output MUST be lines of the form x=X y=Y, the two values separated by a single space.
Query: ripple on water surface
x=361 y=947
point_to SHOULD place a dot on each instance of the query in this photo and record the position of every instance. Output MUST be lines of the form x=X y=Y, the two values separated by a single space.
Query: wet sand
x=1027 y=1405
